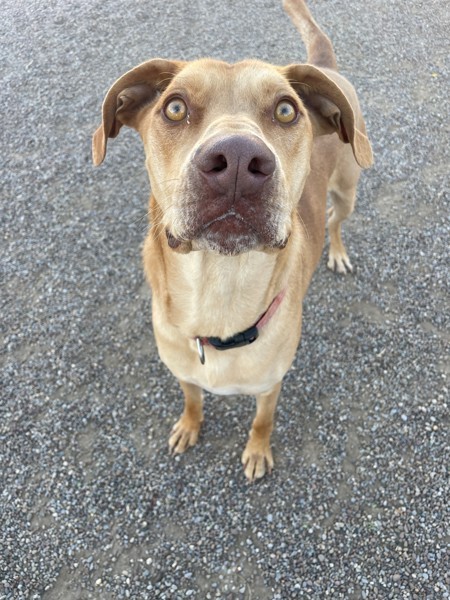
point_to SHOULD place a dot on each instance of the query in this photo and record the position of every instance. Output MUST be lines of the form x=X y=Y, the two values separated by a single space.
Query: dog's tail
x=318 y=45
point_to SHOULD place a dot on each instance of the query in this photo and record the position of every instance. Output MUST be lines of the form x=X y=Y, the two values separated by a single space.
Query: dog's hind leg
x=257 y=456
x=342 y=190
x=185 y=431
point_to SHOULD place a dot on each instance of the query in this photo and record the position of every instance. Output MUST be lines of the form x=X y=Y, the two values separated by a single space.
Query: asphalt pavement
x=91 y=503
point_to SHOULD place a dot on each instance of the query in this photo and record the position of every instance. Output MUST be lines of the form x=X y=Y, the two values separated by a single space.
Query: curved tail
x=319 y=48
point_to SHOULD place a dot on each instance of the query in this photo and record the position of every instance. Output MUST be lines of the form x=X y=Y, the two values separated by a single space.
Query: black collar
x=243 y=338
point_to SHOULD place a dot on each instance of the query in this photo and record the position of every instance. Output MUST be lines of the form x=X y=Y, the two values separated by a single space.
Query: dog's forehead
x=250 y=78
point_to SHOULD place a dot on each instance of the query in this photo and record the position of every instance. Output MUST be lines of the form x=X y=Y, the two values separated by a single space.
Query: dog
x=240 y=159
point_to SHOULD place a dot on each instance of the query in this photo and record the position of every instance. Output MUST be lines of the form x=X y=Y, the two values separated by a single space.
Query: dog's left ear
x=333 y=107
x=133 y=91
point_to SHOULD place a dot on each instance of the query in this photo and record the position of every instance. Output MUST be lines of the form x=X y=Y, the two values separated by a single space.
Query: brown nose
x=235 y=163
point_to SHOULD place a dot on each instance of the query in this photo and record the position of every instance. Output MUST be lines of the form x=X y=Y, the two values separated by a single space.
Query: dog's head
x=228 y=146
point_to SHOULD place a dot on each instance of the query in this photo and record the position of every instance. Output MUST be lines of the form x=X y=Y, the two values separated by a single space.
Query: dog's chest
x=251 y=370
x=214 y=296
x=237 y=371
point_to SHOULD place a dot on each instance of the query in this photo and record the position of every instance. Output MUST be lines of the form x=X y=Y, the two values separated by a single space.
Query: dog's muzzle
x=230 y=196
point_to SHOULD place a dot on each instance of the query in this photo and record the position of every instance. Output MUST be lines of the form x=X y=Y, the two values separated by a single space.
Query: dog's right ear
x=332 y=105
x=137 y=88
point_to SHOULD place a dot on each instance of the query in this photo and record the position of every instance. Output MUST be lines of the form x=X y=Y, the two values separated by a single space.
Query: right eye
x=176 y=110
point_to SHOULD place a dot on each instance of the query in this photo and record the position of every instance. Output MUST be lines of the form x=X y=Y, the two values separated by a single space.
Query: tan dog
x=240 y=159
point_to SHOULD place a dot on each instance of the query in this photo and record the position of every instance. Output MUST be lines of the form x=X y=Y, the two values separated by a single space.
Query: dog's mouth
x=230 y=224
x=228 y=234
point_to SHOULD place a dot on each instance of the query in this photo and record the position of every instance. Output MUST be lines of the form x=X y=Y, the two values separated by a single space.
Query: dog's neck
x=213 y=295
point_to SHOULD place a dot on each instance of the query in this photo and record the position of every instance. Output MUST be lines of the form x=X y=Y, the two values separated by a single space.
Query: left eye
x=285 y=112
x=176 y=110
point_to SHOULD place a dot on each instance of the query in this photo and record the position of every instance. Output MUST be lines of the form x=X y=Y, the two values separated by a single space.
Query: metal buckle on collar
x=200 y=350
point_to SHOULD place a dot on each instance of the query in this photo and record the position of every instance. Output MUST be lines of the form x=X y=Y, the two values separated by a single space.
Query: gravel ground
x=91 y=503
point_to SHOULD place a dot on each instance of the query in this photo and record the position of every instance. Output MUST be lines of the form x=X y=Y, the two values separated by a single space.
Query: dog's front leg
x=185 y=431
x=257 y=456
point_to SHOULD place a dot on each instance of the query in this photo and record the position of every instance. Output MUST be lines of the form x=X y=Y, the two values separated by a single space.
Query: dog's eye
x=176 y=109
x=285 y=112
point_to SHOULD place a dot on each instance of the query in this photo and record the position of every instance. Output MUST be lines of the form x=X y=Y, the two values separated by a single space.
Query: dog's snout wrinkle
x=238 y=164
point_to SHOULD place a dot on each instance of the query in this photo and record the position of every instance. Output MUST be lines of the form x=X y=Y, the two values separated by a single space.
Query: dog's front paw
x=184 y=434
x=257 y=459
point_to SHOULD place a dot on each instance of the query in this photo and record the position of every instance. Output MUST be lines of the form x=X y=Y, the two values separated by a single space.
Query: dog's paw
x=339 y=262
x=184 y=434
x=257 y=460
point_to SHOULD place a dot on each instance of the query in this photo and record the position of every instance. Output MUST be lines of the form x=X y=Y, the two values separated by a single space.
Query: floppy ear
x=130 y=93
x=333 y=107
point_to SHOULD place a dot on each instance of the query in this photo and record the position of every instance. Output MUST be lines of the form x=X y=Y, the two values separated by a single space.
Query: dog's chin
x=228 y=236
x=226 y=246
